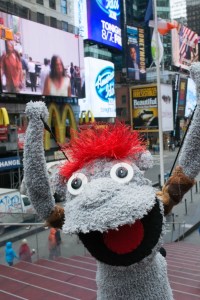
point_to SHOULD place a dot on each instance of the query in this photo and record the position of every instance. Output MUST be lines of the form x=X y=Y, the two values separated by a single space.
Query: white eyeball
x=76 y=182
x=122 y=172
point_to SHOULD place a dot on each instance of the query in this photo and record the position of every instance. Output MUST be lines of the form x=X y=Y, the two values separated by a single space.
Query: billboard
x=41 y=60
x=185 y=47
x=136 y=68
x=145 y=107
x=182 y=97
x=103 y=21
x=100 y=93
x=167 y=107
x=191 y=97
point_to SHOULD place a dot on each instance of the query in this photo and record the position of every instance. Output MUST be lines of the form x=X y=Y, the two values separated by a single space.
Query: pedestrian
x=58 y=242
x=52 y=244
x=10 y=254
x=25 y=253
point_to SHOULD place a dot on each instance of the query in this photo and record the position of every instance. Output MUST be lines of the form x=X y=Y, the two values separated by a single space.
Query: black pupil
x=121 y=172
x=76 y=183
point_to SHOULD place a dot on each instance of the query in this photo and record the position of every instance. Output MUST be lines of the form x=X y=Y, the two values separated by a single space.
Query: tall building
x=54 y=13
x=193 y=21
x=178 y=9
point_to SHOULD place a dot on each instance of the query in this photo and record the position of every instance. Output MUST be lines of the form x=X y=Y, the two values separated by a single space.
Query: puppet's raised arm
x=182 y=178
x=35 y=173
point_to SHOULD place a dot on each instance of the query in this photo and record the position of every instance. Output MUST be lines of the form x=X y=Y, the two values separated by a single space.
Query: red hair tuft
x=114 y=141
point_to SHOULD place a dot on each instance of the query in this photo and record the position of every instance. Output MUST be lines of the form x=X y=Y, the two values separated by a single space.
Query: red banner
x=3 y=133
x=20 y=137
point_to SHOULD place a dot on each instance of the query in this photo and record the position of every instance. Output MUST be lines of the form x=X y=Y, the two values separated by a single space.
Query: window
x=53 y=22
x=124 y=99
x=52 y=4
x=64 y=26
x=40 y=18
x=40 y=2
x=63 y=6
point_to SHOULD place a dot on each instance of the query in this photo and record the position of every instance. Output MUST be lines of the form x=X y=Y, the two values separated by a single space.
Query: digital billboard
x=100 y=93
x=136 y=68
x=103 y=21
x=185 y=46
x=39 y=59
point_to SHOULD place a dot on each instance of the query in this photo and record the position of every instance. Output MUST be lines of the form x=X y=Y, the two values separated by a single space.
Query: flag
x=156 y=50
x=188 y=39
x=149 y=12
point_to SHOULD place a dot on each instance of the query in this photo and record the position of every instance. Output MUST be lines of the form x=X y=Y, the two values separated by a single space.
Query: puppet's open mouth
x=128 y=244
x=125 y=239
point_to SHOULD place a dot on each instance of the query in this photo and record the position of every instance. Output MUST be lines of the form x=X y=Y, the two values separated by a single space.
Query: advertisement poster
x=145 y=107
x=182 y=97
x=21 y=137
x=103 y=21
x=38 y=59
x=100 y=93
x=136 y=68
x=185 y=47
x=191 y=98
x=167 y=107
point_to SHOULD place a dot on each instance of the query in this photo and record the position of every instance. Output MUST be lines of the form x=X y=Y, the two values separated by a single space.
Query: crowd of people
x=18 y=74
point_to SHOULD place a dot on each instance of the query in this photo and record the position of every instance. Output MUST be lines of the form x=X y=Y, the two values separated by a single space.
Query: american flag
x=188 y=41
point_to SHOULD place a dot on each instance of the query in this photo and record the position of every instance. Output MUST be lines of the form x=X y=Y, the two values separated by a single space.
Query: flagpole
x=159 y=96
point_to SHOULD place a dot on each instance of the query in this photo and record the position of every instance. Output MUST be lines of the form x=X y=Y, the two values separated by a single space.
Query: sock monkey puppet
x=110 y=205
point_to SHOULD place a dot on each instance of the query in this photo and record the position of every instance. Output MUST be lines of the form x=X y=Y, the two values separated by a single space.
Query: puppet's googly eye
x=76 y=182
x=122 y=172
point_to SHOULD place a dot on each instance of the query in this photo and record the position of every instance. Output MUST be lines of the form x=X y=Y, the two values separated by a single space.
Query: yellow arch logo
x=4 y=119
x=87 y=117
x=59 y=119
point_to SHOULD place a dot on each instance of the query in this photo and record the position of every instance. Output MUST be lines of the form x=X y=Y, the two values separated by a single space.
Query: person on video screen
x=133 y=63
x=56 y=83
x=11 y=69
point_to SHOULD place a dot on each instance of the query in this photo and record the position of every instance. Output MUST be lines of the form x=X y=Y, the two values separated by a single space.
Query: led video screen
x=99 y=21
x=38 y=59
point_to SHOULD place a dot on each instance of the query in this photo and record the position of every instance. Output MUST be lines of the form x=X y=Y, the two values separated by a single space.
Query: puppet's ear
x=144 y=161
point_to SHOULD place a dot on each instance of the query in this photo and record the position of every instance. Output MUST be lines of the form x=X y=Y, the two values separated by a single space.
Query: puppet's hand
x=174 y=189
x=56 y=219
x=37 y=110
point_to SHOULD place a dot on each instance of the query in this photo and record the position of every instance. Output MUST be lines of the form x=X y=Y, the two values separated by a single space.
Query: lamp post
x=159 y=96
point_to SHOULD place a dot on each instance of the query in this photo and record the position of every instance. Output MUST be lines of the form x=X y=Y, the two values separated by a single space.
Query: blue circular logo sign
x=105 y=85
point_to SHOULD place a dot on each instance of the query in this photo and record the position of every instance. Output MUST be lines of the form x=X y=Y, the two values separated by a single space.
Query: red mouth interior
x=126 y=239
